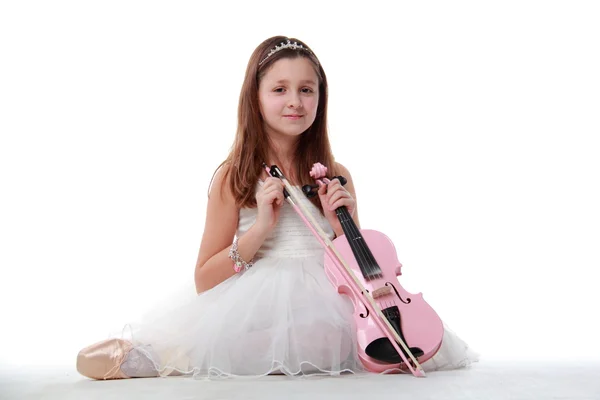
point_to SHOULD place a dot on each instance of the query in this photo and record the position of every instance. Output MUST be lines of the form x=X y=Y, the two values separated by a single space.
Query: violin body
x=416 y=322
x=387 y=316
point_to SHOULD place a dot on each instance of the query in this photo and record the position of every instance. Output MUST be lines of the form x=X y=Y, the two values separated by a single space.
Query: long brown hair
x=243 y=166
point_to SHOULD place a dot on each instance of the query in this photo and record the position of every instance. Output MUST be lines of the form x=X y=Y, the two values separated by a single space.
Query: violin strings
x=351 y=238
x=361 y=243
x=357 y=242
x=365 y=259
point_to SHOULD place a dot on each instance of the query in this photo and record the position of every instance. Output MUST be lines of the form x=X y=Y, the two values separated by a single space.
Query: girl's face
x=288 y=95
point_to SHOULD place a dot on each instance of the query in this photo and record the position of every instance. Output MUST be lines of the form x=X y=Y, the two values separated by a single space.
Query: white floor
x=486 y=380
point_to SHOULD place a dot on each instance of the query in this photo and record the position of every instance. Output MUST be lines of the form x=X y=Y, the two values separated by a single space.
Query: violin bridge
x=382 y=291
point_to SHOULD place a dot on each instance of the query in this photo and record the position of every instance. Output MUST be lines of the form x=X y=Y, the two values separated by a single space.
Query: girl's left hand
x=333 y=196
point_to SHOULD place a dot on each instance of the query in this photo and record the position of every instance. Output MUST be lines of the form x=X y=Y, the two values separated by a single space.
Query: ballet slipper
x=103 y=360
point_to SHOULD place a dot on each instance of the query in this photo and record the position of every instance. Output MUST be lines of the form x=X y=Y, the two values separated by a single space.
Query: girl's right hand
x=269 y=200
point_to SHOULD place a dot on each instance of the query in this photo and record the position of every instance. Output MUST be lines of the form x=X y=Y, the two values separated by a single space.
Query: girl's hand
x=333 y=196
x=269 y=200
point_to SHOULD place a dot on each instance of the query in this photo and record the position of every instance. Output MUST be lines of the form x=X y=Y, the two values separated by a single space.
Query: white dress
x=280 y=316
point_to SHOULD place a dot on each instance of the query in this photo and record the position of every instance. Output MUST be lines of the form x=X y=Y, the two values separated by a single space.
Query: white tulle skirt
x=280 y=316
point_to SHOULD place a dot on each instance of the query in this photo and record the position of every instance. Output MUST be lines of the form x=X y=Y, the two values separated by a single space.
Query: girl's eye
x=304 y=90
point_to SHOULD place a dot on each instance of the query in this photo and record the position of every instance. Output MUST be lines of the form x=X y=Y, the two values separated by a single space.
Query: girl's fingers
x=337 y=195
x=334 y=187
x=269 y=182
x=322 y=188
x=273 y=194
x=342 y=202
x=279 y=198
x=273 y=184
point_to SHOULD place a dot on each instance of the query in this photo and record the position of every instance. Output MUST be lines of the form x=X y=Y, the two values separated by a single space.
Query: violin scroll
x=311 y=190
x=319 y=172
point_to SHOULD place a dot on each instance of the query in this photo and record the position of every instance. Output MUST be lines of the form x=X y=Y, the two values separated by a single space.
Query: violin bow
x=290 y=194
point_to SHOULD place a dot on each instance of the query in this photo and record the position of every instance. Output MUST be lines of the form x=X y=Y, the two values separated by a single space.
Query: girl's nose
x=295 y=104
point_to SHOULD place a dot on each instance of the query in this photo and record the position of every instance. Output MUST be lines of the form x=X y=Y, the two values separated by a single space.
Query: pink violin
x=396 y=330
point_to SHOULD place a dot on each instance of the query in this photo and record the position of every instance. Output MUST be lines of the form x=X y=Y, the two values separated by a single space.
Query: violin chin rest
x=382 y=350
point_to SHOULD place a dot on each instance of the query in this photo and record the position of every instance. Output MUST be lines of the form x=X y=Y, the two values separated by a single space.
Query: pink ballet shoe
x=119 y=359
x=103 y=360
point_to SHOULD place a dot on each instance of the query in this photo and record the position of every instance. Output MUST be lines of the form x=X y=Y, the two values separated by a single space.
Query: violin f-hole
x=407 y=301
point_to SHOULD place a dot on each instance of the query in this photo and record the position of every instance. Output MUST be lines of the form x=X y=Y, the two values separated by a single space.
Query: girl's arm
x=214 y=265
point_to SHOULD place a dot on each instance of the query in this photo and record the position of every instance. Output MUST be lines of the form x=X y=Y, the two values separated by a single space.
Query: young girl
x=275 y=312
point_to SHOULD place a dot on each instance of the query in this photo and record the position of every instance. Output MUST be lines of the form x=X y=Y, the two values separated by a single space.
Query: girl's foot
x=115 y=359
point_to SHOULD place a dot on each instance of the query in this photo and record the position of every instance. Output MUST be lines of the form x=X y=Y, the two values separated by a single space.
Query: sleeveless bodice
x=291 y=237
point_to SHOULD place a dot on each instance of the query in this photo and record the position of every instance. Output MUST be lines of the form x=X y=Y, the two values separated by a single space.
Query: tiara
x=288 y=45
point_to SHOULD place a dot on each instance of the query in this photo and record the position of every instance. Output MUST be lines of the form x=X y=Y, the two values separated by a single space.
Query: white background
x=470 y=129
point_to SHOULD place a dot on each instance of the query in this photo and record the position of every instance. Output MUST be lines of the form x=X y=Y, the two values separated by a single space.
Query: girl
x=264 y=304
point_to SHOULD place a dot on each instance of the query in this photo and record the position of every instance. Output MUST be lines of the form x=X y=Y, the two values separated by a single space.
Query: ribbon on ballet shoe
x=103 y=360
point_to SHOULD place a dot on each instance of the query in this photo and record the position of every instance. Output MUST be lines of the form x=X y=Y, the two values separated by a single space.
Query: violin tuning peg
x=342 y=180
x=309 y=190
